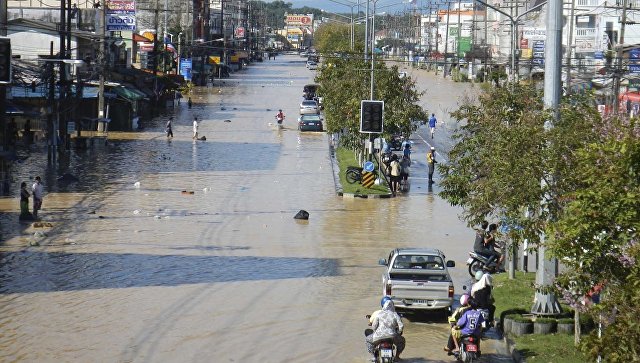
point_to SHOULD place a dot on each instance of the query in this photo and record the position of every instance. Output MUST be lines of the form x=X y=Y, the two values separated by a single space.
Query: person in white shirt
x=38 y=193
x=195 y=128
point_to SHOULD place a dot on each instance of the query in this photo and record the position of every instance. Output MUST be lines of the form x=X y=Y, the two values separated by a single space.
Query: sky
x=334 y=7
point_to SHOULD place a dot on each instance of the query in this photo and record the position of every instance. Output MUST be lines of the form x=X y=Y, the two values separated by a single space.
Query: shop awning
x=127 y=93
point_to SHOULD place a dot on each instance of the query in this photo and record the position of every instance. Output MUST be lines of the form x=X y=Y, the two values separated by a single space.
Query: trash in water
x=302 y=214
x=157 y=217
x=136 y=184
x=137 y=211
x=227 y=121
x=188 y=192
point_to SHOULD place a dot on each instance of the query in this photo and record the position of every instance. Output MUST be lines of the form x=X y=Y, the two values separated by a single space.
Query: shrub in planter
x=566 y=326
x=521 y=326
x=544 y=326
x=510 y=312
x=507 y=322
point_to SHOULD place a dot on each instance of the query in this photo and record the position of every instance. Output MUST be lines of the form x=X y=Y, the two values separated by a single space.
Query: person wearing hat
x=431 y=162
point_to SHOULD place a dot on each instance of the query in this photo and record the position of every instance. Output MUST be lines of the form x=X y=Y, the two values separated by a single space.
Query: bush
x=566 y=321
x=545 y=320
x=511 y=312
x=522 y=319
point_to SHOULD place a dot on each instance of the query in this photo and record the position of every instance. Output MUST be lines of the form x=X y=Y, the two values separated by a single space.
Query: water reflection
x=29 y=272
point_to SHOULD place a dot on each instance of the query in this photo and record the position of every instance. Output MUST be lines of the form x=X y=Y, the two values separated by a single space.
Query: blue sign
x=634 y=54
x=538 y=61
x=598 y=54
x=185 y=68
x=634 y=68
x=368 y=166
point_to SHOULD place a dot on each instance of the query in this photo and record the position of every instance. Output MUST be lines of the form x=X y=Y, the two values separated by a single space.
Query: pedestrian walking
x=395 y=173
x=12 y=131
x=26 y=134
x=195 y=128
x=406 y=151
x=189 y=102
x=169 y=128
x=24 y=202
x=38 y=193
x=432 y=124
x=431 y=163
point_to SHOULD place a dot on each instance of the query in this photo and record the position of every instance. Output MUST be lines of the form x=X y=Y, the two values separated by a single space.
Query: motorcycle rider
x=490 y=244
x=386 y=324
x=470 y=324
x=481 y=294
x=454 y=336
x=482 y=244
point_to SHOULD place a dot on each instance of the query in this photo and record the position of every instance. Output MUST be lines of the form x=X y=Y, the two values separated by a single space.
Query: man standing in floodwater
x=431 y=163
x=195 y=128
x=38 y=194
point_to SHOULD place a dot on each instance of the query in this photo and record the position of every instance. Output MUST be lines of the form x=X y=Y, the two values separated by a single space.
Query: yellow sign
x=527 y=53
x=214 y=59
x=368 y=179
x=235 y=59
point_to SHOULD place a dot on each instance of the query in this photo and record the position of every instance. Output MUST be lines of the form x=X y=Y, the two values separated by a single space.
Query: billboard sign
x=304 y=20
x=239 y=32
x=121 y=15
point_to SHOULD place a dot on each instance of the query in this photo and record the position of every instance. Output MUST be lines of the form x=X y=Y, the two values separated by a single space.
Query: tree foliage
x=588 y=203
x=505 y=161
x=344 y=83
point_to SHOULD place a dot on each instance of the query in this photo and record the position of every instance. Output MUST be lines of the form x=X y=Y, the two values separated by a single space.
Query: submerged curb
x=511 y=348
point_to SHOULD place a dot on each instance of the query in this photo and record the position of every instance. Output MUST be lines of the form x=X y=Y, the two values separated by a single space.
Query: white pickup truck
x=418 y=279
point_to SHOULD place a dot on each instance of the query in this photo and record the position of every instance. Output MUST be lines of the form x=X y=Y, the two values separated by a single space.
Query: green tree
x=597 y=235
x=345 y=82
x=503 y=152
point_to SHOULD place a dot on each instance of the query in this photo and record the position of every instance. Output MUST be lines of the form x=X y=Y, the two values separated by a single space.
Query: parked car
x=418 y=279
x=310 y=123
x=312 y=65
x=309 y=107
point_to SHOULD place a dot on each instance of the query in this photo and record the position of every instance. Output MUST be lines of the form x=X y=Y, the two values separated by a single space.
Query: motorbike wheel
x=352 y=176
x=474 y=267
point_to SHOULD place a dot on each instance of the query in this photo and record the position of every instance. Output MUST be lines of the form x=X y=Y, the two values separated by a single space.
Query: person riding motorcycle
x=280 y=116
x=385 y=324
x=483 y=242
x=481 y=294
x=470 y=324
x=453 y=344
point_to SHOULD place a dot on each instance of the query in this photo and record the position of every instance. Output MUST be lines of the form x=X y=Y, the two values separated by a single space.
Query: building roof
x=22 y=24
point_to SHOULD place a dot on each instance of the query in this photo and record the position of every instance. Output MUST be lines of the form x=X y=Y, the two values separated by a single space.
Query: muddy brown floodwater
x=187 y=251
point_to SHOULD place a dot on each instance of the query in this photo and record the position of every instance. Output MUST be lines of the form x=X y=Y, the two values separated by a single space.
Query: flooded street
x=187 y=251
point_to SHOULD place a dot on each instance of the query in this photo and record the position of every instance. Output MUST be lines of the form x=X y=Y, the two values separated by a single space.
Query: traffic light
x=371 y=116
x=5 y=61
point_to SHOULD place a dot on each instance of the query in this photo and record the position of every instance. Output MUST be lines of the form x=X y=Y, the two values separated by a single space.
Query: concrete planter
x=566 y=328
x=521 y=327
x=544 y=327
x=507 y=323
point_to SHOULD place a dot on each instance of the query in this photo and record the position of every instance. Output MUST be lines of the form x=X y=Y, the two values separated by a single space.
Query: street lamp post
x=351 y=21
x=350 y=5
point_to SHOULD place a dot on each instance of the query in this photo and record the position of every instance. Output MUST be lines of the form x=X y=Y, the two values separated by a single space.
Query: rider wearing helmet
x=455 y=335
x=481 y=293
x=386 y=324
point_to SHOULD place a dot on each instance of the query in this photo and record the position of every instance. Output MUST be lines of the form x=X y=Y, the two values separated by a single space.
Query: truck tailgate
x=427 y=290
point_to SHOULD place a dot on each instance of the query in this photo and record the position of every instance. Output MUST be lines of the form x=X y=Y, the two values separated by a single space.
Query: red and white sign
x=239 y=32
x=305 y=20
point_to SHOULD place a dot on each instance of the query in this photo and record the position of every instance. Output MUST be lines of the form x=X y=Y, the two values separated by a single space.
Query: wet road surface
x=133 y=269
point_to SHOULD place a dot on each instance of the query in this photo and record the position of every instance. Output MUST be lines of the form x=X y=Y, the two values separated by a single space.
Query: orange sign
x=306 y=20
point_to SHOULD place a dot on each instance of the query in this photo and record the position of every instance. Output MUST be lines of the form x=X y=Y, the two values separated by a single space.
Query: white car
x=312 y=66
x=309 y=107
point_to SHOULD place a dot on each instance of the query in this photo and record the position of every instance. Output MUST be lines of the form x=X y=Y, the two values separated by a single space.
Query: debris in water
x=302 y=214
x=136 y=184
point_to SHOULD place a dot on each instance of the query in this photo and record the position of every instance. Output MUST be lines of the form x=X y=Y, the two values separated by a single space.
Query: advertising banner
x=185 y=68
x=121 y=15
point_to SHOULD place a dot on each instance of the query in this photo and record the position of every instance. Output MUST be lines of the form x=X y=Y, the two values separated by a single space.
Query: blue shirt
x=471 y=322
x=432 y=121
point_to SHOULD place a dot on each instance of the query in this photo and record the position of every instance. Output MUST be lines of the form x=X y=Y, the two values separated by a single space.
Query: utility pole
x=62 y=104
x=446 y=40
x=617 y=74
x=570 y=45
x=545 y=301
